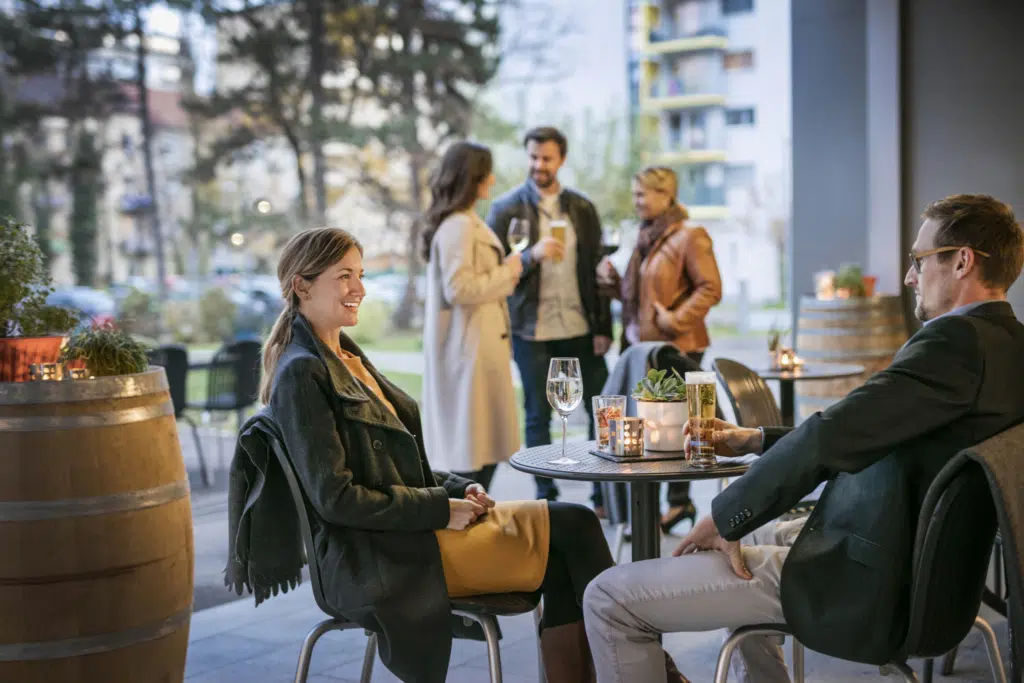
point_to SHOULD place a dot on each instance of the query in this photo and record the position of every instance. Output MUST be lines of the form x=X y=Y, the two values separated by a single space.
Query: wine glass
x=612 y=239
x=565 y=389
x=518 y=234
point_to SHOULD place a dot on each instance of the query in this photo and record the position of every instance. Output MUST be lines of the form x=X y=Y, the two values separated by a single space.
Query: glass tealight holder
x=626 y=436
x=45 y=372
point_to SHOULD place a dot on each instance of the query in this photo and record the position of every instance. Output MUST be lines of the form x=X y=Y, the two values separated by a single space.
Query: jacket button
x=377 y=445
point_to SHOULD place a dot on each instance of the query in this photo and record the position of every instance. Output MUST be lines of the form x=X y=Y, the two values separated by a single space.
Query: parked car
x=96 y=306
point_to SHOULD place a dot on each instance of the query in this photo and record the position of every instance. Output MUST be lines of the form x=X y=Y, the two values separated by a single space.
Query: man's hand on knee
x=704 y=536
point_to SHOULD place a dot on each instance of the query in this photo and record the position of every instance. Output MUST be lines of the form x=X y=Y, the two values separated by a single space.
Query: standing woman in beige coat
x=470 y=405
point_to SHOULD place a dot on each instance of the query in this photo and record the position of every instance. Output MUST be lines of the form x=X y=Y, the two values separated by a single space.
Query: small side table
x=788 y=378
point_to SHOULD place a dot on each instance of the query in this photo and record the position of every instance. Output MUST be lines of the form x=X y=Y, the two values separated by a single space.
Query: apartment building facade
x=709 y=88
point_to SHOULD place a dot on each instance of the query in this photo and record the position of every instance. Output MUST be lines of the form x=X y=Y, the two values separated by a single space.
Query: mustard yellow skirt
x=505 y=551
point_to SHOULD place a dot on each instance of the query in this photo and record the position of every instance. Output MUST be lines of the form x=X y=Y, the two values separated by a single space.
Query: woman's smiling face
x=332 y=299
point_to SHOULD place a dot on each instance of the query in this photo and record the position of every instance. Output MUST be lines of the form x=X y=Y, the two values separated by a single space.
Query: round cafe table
x=813 y=371
x=643 y=477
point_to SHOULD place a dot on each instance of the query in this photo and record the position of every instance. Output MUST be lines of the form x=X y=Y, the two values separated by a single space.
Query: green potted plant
x=850 y=281
x=106 y=352
x=661 y=402
x=31 y=331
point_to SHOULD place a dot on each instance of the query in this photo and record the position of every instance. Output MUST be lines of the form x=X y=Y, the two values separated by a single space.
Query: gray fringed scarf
x=265 y=553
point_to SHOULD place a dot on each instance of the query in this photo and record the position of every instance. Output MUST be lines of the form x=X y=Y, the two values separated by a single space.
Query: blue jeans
x=533 y=358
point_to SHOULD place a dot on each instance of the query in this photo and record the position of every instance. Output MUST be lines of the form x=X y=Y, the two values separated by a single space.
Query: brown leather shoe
x=565 y=654
x=673 y=674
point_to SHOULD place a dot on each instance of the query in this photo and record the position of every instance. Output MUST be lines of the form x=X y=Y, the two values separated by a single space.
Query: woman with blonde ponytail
x=395 y=539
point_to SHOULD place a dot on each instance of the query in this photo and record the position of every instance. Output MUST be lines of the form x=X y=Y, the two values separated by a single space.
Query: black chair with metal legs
x=482 y=609
x=750 y=398
x=948 y=577
x=173 y=358
x=232 y=385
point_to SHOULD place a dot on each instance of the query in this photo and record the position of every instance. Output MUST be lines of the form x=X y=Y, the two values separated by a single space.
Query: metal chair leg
x=204 y=474
x=798 y=661
x=948 y=661
x=928 y=670
x=995 y=659
x=620 y=539
x=490 y=626
x=368 y=658
x=306 y=652
x=901 y=669
x=538 y=615
x=733 y=641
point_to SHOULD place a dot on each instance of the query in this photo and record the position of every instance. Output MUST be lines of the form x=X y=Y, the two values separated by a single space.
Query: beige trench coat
x=469 y=405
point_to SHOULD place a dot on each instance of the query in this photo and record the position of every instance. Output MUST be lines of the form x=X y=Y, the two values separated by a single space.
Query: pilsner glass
x=700 y=405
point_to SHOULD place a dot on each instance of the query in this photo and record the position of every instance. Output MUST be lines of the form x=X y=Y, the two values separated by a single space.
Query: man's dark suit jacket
x=956 y=382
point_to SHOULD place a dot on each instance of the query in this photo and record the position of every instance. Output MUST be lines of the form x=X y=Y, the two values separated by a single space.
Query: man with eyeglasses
x=840 y=577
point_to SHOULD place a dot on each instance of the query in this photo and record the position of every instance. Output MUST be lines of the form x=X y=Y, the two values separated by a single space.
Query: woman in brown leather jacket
x=671 y=283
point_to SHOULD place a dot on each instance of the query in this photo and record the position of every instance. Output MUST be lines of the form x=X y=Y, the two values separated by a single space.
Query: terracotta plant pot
x=869 y=285
x=18 y=353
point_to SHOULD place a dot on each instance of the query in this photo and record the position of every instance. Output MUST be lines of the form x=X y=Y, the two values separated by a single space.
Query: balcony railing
x=663 y=41
x=702 y=195
x=677 y=87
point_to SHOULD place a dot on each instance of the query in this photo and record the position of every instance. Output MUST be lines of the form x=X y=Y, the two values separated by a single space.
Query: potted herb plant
x=106 y=352
x=661 y=402
x=31 y=331
x=850 y=282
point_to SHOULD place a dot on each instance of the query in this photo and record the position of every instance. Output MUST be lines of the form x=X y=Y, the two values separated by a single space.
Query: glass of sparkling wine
x=565 y=389
x=518 y=235
x=700 y=404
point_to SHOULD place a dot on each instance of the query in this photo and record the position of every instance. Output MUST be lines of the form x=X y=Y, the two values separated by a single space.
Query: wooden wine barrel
x=96 y=569
x=861 y=331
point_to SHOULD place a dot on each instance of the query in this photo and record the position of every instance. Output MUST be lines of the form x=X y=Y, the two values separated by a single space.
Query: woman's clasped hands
x=465 y=511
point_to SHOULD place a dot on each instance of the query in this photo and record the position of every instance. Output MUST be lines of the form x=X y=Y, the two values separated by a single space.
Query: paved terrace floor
x=239 y=643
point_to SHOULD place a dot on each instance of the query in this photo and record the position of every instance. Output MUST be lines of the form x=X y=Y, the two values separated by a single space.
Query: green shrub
x=183 y=321
x=374 y=321
x=216 y=315
x=139 y=314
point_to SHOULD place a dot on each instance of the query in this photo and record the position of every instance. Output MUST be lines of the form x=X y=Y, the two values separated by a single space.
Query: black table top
x=548 y=461
x=813 y=371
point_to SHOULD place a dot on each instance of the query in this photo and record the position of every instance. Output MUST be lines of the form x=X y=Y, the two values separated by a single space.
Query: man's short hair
x=985 y=224
x=543 y=134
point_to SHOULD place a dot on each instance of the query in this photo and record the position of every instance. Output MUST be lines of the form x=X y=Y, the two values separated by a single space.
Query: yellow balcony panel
x=707 y=213
x=683 y=102
x=692 y=156
x=681 y=45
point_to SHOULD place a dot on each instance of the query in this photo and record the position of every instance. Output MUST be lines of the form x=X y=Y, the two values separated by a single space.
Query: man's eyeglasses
x=915 y=259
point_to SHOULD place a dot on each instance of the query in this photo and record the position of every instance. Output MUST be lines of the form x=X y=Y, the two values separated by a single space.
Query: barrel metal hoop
x=152 y=381
x=128 y=501
x=91 y=645
x=112 y=418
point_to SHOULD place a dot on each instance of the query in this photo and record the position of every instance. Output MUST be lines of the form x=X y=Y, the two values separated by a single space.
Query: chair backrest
x=953 y=547
x=173 y=358
x=234 y=375
x=305 y=525
x=752 y=401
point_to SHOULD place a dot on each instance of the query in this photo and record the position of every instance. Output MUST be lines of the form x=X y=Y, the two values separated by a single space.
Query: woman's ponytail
x=279 y=337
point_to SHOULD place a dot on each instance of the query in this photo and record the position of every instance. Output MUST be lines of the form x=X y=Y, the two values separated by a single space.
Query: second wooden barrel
x=96 y=528
x=862 y=331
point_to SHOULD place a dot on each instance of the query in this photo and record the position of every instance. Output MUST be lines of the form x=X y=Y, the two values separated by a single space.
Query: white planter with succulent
x=661 y=402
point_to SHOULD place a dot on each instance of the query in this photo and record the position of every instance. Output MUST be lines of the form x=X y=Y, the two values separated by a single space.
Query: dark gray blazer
x=955 y=383
x=375 y=499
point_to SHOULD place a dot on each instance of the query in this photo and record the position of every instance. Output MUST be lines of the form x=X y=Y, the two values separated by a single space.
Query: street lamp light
x=237 y=239
x=263 y=206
